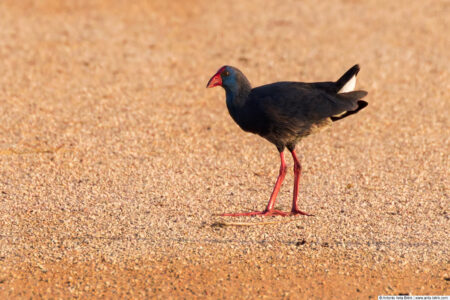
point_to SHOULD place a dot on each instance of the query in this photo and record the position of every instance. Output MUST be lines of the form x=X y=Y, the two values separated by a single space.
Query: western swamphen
x=284 y=113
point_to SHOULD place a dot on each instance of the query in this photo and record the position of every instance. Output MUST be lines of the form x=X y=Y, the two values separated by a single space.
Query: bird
x=284 y=113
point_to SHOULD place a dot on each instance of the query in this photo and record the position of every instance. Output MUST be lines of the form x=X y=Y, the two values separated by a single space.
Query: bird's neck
x=236 y=95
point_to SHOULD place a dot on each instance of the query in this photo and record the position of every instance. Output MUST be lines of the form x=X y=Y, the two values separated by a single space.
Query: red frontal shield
x=216 y=80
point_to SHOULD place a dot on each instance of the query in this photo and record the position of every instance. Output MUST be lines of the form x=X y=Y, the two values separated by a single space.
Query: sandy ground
x=114 y=157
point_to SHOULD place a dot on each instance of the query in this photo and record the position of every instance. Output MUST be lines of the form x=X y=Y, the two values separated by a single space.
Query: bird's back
x=285 y=111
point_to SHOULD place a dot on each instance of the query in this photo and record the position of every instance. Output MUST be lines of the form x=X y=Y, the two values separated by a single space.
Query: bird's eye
x=226 y=73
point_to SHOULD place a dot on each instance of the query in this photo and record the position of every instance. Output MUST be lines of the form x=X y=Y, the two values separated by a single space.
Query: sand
x=114 y=157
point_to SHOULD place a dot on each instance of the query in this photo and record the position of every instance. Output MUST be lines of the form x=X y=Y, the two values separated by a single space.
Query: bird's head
x=236 y=85
x=227 y=77
x=224 y=77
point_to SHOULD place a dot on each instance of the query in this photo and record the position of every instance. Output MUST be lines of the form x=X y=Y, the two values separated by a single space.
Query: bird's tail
x=347 y=82
x=353 y=99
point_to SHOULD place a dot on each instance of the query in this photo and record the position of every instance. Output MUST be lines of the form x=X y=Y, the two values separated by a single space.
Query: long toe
x=275 y=212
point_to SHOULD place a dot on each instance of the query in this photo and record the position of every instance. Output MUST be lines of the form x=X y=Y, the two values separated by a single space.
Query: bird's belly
x=313 y=127
x=285 y=135
x=321 y=125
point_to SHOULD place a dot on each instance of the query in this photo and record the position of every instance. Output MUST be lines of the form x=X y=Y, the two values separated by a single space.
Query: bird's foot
x=296 y=211
x=266 y=213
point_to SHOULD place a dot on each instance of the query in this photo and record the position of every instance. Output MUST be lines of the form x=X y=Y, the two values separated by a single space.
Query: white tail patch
x=338 y=115
x=348 y=86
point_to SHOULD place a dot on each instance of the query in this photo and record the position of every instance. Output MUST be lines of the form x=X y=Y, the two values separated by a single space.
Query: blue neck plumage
x=237 y=89
x=237 y=94
x=236 y=99
x=231 y=93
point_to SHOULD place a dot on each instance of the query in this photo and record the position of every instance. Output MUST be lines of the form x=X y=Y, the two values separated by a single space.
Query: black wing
x=301 y=102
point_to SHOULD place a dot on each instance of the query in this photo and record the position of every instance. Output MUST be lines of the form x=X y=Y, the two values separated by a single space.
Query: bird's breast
x=251 y=121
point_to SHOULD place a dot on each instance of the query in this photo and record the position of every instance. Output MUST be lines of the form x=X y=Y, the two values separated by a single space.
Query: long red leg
x=270 y=211
x=277 y=187
x=297 y=173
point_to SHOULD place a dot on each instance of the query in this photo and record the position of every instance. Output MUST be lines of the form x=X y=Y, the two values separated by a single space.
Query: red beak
x=216 y=80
